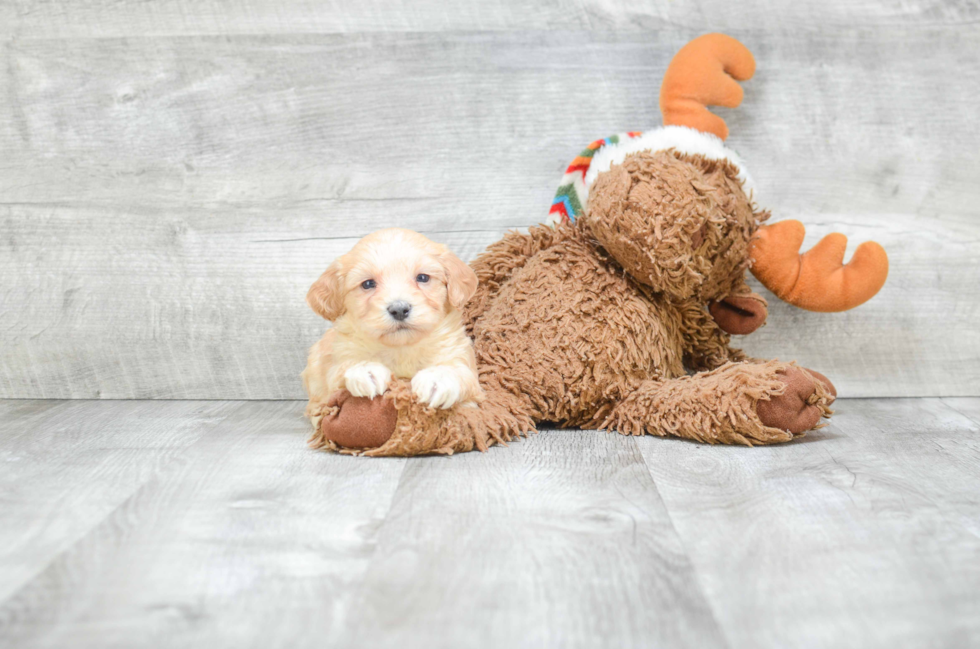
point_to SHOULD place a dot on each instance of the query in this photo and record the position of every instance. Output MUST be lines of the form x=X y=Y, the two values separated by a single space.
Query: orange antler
x=817 y=280
x=703 y=74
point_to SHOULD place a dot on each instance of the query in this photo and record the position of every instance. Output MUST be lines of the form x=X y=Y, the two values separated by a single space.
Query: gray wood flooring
x=209 y=524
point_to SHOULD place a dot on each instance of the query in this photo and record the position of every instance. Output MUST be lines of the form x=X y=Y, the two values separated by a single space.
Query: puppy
x=395 y=302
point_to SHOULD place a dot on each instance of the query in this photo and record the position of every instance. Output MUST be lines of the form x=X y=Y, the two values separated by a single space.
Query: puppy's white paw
x=437 y=386
x=367 y=379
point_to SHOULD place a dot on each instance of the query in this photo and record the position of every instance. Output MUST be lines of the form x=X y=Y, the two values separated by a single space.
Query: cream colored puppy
x=394 y=301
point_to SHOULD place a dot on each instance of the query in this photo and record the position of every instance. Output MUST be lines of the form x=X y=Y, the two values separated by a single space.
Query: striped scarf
x=573 y=194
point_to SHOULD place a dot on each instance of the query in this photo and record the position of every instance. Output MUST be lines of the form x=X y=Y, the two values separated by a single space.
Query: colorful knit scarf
x=572 y=196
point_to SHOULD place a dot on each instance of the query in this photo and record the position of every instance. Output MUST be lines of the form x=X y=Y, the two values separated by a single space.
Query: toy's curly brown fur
x=596 y=323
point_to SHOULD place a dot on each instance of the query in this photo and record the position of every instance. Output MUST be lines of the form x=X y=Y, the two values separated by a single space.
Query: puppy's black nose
x=399 y=310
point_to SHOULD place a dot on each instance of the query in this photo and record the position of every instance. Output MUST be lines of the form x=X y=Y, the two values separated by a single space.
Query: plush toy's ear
x=326 y=295
x=701 y=74
x=817 y=280
x=460 y=279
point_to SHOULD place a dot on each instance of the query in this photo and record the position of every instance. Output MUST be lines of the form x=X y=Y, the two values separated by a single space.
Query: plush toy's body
x=620 y=318
x=612 y=356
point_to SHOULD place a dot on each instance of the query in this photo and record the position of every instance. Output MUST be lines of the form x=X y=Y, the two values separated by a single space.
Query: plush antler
x=817 y=280
x=703 y=74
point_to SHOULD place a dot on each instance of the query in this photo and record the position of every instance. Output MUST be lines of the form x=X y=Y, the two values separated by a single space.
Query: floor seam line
x=690 y=559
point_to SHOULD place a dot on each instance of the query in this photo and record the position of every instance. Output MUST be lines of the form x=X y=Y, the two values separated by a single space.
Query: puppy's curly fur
x=394 y=300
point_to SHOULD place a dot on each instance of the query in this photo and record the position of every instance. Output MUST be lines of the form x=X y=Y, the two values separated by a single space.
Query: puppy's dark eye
x=368 y=284
x=421 y=278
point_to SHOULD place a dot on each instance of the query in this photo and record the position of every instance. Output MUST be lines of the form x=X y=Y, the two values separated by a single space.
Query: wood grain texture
x=557 y=541
x=210 y=524
x=864 y=534
x=166 y=201
x=90 y=19
x=68 y=465
x=250 y=540
x=965 y=406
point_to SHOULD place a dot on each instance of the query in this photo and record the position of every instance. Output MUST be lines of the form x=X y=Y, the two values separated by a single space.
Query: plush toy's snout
x=739 y=314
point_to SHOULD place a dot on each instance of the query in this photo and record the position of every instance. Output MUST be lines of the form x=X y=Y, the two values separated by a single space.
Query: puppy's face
x=395 y=286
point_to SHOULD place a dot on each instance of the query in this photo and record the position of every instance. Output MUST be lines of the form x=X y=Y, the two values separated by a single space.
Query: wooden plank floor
x=209 y=524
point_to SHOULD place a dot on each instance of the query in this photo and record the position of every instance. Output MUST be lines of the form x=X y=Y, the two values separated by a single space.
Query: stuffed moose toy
x=617 y=314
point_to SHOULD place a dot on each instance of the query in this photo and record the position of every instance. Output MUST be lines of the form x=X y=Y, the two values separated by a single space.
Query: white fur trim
x=681 y=138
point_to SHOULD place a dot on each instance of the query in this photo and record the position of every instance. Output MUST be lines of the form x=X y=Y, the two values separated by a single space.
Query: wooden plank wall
x=175 y=174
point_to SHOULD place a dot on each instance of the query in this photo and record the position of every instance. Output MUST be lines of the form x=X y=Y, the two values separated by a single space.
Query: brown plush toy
x=618 y=315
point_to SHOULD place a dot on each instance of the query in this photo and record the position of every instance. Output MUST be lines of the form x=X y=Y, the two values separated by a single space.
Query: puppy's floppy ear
x=326 y=296
x=460 y=279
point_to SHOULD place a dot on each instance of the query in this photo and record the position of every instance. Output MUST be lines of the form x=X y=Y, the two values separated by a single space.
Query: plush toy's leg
x=502 y=259
x=738 y=403
x=352 y=422
x=398 y=424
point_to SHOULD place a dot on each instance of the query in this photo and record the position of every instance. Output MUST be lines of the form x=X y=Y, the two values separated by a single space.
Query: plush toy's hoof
x=739 y=314
x=359 y=422
x=801 y=406
x=826 y=382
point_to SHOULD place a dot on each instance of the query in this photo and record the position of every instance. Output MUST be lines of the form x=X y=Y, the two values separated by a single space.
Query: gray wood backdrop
x=175 y=174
